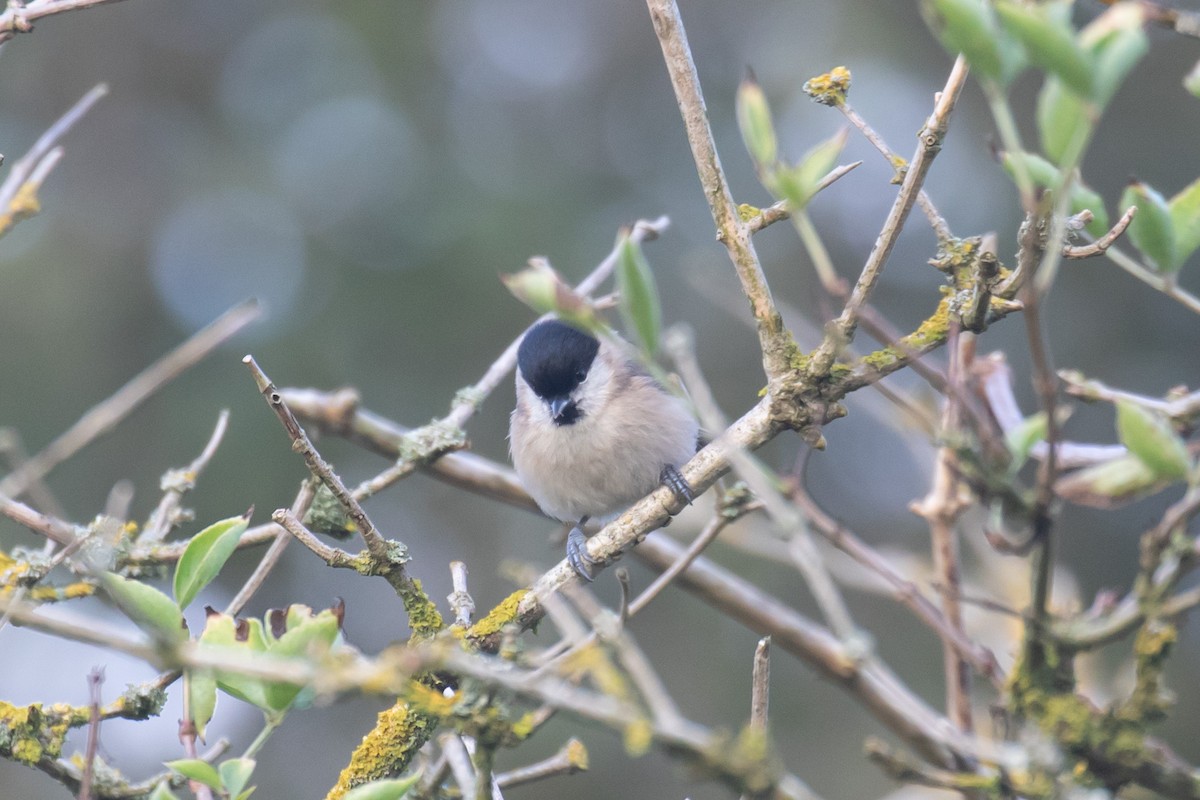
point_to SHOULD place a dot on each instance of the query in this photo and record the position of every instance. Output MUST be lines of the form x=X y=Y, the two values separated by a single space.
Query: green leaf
x=195 y=769
x=1062 y=117
x=542 y=289
x=204 y=556
x=201 y=688
x=150 y=609
x=639 y=298
x=163 y=792
x=384 y=789
x=1110 y=484
x=1023 y=437
x=315 y=633
x=754 y=121
x=235 y=774
x=969 y=27
x=1185 y=220
x=1049 y=43
x=1152 y=230
x=1152 y=439
x=224 y=634
x=1116 y=54
x=798 y=184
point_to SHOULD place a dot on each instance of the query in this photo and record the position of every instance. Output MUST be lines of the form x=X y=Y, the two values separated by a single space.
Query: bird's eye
x=580 y=375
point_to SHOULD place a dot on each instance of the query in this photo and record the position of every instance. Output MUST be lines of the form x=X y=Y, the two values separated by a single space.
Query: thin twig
x=777 y=212
x=102 y=417
x=774 y=340
x=19 y=17
x=1165 y=284
x=809 y=561
x=905 y=590
x=923 y=200
x=13 y=450
x=179 y=482
x=572 y=758
x=30 y=165
x=930 y=138
x=95 y=680
x=941 y=509
x=377 y=546
x=460 y=599
x=871 y=683
x=760 y=684
x=1101 y=245
x=274 y=553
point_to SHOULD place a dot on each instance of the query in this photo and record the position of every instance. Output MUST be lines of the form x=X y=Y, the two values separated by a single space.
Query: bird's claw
x=674 y=480
x=577 y=554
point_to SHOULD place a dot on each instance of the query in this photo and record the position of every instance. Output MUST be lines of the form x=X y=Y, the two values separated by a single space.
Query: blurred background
x=368 y=169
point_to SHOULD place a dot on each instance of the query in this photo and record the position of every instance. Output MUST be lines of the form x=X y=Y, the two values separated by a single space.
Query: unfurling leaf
x=204 y=556
x=1110 y=484
x=1152 y=230
x=798 y=184
x=639 y=298
x=542 y=289
x=201 y=689
x=195 y=769
x=1116 y=42
x=1151 y=438
x=1185 y=220
x=163 y=792
x=235 y=774
x=150 y=609
x=1062 y=118
x=1049 y=43
x=1023 y=437
x=754 y=121
x=294 y=632
x=970 y=27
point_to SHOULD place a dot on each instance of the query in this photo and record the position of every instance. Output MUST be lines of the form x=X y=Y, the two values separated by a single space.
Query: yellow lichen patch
x=503 y=614
x=387 y=749
x=639 y=735
x=831 y=88
x=747 y=212
x=423 y=615
x=27 y=733
x=27 y=750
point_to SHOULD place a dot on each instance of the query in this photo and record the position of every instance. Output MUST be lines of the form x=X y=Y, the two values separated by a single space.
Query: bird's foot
x=577 y=554
x=673 y=479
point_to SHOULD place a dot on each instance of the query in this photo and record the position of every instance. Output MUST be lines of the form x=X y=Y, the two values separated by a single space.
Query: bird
x=593 y=431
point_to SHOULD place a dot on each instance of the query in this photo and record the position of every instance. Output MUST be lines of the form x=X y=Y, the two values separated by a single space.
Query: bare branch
x=1106 y=241
x=774 y=340
x=930 y=138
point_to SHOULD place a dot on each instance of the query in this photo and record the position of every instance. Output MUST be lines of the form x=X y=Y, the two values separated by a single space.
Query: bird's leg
x=674 y=480
x=577 y=553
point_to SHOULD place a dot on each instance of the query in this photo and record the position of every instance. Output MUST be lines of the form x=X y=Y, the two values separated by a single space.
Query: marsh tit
x=593 y=431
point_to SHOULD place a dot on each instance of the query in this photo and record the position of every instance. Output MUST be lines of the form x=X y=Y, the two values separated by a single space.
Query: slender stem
x=821 y=260
x=841 y=331
x=270 y=725
x=774 y=340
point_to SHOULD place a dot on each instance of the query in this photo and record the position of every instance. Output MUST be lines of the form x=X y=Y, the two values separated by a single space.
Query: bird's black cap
x=554 y=357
